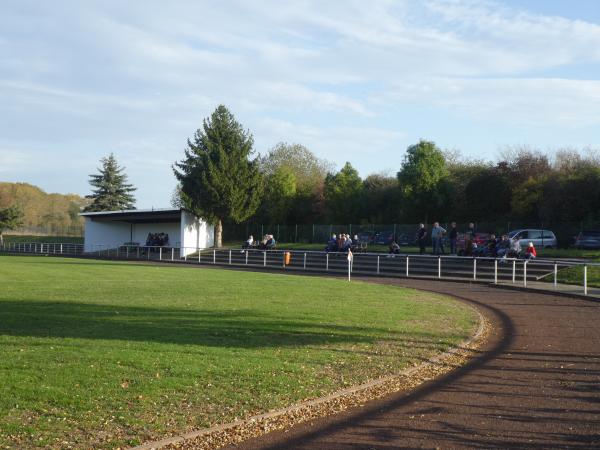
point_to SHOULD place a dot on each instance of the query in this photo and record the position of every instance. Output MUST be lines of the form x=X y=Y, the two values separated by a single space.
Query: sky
x=351 y=80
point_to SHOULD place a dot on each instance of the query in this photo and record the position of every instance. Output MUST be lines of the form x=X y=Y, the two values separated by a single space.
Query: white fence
x=493 y=270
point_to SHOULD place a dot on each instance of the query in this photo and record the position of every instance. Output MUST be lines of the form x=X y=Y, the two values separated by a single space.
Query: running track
x=535 y=384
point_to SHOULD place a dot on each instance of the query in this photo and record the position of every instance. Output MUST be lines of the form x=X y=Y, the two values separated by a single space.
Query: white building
x=111 y=229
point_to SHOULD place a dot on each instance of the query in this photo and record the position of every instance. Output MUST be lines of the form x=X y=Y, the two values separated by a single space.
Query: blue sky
x=353 y=81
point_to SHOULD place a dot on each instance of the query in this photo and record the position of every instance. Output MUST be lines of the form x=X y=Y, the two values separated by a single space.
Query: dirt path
x=536 y=384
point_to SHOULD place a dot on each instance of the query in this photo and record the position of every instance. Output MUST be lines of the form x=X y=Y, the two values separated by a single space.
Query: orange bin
x=287 y=258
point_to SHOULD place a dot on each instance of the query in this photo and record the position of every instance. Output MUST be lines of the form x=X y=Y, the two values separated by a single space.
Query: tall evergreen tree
x=10 y=218
x=111 y=189
x=218 y=180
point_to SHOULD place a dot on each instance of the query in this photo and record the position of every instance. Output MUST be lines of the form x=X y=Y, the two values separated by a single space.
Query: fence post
x=172 y=253
x=495 y=271
x=439 y=267
x=138 y=252
x=514 y=277
x=474 y=268
x=585 y=290
x=525 y=273
x=304 y=260
x=264 y=259
x=247 y=257
x=199 y=255
x=214 y=256
x=229 y=257
x=555 y=275
x=327 y=262
x=407 y=265
x=160 y=253
x=378 y=264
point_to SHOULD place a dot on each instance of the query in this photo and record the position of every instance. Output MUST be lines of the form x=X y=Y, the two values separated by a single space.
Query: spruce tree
x=218 y=180
x=111 y=191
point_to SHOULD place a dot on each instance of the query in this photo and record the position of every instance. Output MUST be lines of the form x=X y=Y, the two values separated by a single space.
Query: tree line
x=223 y=180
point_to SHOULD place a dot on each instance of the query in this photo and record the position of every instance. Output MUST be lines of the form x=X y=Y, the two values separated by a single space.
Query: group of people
x=494 y=247
x=266 y=243
x=157 y=239
x=341 y=243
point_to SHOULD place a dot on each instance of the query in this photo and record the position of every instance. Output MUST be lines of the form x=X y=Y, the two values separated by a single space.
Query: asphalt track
x=534 y=384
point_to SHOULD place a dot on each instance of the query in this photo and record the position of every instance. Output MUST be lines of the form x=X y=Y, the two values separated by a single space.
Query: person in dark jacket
x=422 y=238
x=452 y=237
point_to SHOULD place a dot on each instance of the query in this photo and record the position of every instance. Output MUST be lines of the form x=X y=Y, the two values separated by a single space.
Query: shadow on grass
x=240 y=328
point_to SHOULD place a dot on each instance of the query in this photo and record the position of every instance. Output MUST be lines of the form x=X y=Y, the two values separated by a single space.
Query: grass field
x=104 y=354
x=574 y=275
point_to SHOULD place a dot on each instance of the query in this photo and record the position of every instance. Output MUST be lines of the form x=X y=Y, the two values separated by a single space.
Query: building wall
x=190 y=233
x=195 y=233
x=99 y=235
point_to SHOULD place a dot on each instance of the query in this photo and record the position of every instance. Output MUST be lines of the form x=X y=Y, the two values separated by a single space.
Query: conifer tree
x=218 y=180
x=111 y=191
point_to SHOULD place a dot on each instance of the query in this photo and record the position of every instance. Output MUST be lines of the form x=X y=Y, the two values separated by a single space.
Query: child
x=530 y=253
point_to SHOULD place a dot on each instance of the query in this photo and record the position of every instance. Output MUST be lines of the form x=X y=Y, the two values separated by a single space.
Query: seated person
x=394 y=248
x=248 y=243
x=490 y=246
x=332 y=245
x=530 y=253
x=503 y=246
x=347 y=243
x=263 y=242
x=270 y=242
x=515 y=248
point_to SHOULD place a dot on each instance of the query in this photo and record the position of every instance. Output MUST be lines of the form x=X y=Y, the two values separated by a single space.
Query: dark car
x=384 y=237
x=588 y=239
x=366 y=237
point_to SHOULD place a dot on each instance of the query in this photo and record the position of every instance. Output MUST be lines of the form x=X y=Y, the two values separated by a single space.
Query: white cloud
x=139 y=78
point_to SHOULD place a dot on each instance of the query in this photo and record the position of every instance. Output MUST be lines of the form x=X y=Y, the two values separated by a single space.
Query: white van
x=540 y=238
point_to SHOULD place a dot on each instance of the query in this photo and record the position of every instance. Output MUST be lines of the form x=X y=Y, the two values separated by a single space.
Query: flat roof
x=136 y=215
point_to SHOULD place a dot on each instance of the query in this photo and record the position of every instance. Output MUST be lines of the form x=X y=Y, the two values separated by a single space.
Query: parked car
x=383 y=237
x=540 y=238
x=366 y=237
x=588 y=239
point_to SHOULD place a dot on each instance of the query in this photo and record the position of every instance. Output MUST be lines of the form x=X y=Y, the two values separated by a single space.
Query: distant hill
x=52 y=214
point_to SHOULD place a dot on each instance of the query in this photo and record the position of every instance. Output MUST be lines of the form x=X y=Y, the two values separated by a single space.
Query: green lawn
x=574 y=275
x=104 y=354
x=44 y=239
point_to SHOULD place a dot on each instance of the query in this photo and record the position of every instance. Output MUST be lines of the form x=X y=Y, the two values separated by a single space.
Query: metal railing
x=52 y=248
x=487 y=269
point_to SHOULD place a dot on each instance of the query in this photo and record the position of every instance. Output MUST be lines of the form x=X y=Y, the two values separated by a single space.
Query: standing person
x=422 y=238
x=453 y=236
x=437 y=232
x=469 y=238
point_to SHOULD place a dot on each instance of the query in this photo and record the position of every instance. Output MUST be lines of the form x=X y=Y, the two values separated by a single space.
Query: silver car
x=540 y=238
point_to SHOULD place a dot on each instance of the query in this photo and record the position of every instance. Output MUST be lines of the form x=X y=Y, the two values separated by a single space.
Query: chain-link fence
x=404 y=234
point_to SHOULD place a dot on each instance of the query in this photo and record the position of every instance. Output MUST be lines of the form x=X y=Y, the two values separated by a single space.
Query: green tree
x=279 y=196
x=10 y=219
x=488 y=195
x=218 y=180
x=343 y=192
x=380 y=199
x=111 y=191
x=423 y=181
x=309 y=172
